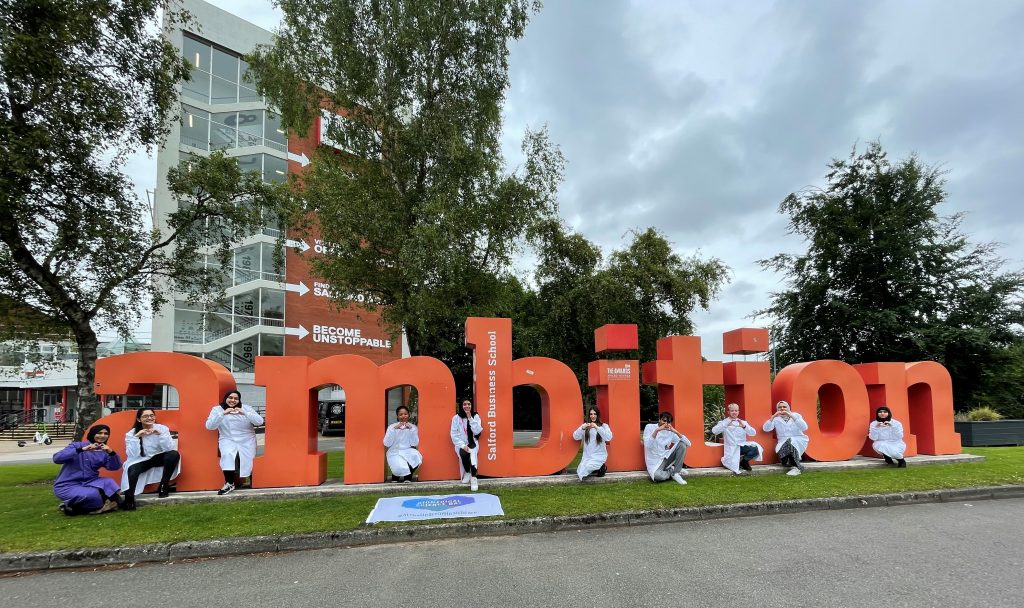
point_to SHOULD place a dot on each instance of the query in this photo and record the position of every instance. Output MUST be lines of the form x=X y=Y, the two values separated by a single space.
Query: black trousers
x=168 y=460
x=467 y=465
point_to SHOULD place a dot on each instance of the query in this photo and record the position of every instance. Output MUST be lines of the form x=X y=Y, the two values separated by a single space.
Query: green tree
x=83 y=84
x=887 y=278
x=421 y=216
x=645 y=283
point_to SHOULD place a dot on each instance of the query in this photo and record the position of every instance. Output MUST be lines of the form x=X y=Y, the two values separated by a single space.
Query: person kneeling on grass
x=664 y=449
x=737 y=451
x=791 y=442
x=401 y=440
x=595 y=436
x=79 y=485
x=887 y=435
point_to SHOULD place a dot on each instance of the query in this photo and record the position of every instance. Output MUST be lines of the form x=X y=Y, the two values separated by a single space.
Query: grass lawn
x=30 y=521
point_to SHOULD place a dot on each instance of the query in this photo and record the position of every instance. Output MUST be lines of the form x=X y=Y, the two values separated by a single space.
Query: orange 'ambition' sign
x=920 y=394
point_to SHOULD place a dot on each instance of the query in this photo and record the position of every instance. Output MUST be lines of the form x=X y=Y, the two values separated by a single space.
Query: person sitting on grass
x=887 y=435
x=664 y=449
x=79 y=485
x=595 y=436
x=791 y=441
x=737 y=451
x=401 y=440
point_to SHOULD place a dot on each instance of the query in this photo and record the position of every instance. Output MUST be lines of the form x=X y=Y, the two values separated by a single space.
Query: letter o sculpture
x=844 y=406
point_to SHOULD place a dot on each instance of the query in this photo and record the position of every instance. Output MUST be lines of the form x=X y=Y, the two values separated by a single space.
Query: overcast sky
x=698 y=118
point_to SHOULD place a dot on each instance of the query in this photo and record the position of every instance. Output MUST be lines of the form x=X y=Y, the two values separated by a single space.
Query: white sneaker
x=679 y=479
x=473 y=485
x=465 y=478
x=794 y=471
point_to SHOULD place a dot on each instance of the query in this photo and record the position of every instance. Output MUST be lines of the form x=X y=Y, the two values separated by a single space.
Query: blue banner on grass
x=410 y=508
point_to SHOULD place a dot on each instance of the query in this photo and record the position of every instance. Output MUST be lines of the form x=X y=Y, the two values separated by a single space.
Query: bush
x=984 y=413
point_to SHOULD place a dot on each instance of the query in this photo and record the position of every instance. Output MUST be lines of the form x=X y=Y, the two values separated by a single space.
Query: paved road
x=921 y=555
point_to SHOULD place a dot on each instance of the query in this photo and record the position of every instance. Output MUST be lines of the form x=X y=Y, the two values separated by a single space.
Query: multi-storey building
x=267 y=309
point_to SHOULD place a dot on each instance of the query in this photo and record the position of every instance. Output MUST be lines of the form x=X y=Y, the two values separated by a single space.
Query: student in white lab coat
x=235 y=424
x=465 y=432
x=152 y=457
x=791 y=441
x=595 y=436
x=401 y=440
x=737 y=451
x=887 y=435
x=664 y=450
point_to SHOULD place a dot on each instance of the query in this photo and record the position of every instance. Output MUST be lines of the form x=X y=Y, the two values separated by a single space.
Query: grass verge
x=30 y=521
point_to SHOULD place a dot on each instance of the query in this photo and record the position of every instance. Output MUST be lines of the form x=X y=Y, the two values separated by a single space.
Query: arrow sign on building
x=299 y=288
x=302 y=159
x=299 y=331
x=300 y=245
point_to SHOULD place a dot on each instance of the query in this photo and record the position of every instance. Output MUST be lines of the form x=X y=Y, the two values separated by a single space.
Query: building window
x=218 y=76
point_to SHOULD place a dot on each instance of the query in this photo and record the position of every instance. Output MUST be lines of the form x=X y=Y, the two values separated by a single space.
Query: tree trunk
x=88 y=407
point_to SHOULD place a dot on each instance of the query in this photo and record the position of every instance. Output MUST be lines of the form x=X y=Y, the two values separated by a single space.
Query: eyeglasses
x=148 y=416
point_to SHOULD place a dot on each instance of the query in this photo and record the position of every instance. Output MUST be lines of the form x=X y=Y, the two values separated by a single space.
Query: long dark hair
x=880 y=419
x=461 y=412
x=138 y=417
x=586 y=434
x=224 y=400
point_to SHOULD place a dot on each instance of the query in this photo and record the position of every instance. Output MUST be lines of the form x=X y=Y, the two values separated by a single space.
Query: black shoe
x=129 y=501
x=745 y=465
x=600 y=472
x=888 y=460
x=395 y=479
x=227 y=489
x=901 y=464
x=63 y=508
x=162 y=491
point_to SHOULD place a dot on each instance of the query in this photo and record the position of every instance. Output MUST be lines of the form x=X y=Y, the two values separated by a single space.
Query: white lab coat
x=153 y=444
x=236 y=437
x=459 y=437
x=402 y=453
x=595 y=453
x=888 y=440
x=792 y=429
x=658 y=447
x=734 y=436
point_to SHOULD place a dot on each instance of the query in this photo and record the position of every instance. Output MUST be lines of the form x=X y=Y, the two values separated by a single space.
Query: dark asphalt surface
x=941 y=554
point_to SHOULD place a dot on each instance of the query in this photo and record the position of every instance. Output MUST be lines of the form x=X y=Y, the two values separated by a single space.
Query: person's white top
x=792 y=429
x=888 y=440
x=595 y=453
x=151 y=445
x=658 y=447
x=734 y=436
x=459 y=430
x=236 y=437
x=401 y=443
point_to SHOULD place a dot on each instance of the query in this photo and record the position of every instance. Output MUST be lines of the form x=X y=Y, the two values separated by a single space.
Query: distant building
x=46 y=393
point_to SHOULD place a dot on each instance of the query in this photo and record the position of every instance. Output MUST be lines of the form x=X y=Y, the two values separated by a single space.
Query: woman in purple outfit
x=79 y=484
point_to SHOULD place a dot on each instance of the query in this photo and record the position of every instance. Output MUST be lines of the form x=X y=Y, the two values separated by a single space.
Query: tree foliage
x=578 y=290
x=421 y=216
x=887 y=278
x=84 y=84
